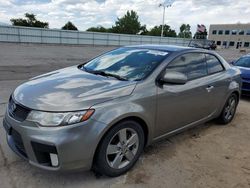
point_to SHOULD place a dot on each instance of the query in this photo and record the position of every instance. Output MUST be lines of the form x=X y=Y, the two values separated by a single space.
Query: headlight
x=49 y=119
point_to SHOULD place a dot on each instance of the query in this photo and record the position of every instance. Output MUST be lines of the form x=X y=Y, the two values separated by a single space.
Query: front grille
x=17 y=111
x=18 y=142
x=245 y=85
x=245 y=78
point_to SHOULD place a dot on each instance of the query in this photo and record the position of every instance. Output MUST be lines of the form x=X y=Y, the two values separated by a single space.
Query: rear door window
x=213 y=64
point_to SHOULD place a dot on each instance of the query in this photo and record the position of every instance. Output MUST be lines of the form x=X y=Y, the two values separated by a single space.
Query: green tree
x=199 y=34
x=185 y=31
x=128 y=24
x=99 y=29
x=29 y=21
x=167 y=31
x=69 y=26
x=143 y=30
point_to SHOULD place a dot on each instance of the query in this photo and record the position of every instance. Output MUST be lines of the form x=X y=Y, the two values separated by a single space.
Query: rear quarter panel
x=234 y=84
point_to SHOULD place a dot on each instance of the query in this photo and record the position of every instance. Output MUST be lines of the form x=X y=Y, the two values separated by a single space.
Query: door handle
x=209 y=88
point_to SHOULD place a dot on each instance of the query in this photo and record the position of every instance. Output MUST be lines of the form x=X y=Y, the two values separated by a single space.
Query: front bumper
x=245 y=87
x=74 y=146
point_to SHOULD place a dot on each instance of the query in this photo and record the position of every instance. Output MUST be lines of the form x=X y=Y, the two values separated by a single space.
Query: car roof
x=167 y=48
x=247 y=55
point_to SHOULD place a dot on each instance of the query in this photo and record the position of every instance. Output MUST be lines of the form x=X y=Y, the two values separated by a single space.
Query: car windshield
x=243 y=62
x=126 y=63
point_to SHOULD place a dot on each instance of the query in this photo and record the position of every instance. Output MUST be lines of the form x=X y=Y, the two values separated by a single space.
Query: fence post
x=78 y=37
x=19 y=35
x=107 y=39
x=41 y=36
x=60 y=36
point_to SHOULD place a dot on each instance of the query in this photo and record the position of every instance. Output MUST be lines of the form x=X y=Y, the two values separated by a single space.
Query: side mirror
x=172 y=77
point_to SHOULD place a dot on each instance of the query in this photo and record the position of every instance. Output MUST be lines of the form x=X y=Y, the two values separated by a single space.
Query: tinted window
x=179 y=65
x=243 y=62
x=193 y=65
x=197 y=66
x=127 y=63
x=213 y=64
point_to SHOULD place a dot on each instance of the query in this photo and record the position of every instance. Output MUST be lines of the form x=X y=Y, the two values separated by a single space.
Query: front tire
x=120 y=149
x=229 y=110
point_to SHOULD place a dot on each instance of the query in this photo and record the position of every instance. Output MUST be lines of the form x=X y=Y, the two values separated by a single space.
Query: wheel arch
x=237 y=93
x=137 y=119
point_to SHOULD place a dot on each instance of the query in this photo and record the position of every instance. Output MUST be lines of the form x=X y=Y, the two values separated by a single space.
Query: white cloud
x=88 y=13
x=5 y=2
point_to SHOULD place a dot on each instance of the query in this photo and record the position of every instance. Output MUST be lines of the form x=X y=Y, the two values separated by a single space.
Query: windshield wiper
x=102 y=73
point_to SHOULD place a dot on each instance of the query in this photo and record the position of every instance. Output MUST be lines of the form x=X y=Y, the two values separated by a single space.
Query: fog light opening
x=54 y=159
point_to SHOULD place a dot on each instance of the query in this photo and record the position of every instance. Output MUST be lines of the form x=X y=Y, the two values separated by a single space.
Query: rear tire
x=229 y=110
x=120 y=148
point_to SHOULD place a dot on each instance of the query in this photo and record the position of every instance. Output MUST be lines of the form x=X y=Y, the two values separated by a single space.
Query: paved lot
x=206 y=156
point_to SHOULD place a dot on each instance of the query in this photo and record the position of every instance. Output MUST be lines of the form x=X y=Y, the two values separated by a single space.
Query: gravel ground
x=206 y=156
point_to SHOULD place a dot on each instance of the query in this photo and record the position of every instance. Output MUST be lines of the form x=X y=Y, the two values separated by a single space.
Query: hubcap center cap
x=124 y=149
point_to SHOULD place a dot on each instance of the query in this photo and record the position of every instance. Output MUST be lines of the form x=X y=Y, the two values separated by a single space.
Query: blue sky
x=88 y=13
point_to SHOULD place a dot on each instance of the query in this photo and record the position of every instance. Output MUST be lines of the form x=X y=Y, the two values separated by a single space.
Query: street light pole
x=164 y=5
x=163 y=21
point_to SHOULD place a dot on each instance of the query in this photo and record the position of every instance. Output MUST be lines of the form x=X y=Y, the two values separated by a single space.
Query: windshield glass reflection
x=128 y=63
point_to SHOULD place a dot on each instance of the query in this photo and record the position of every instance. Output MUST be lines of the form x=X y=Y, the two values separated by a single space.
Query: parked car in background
x=101 y=114
x=204 y=44
x=243 y=64
x=212 y=45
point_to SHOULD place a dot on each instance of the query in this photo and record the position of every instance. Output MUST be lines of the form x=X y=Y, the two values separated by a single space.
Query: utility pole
x=164 y=5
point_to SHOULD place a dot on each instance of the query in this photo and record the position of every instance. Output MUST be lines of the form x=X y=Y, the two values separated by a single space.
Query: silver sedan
x=100 y=115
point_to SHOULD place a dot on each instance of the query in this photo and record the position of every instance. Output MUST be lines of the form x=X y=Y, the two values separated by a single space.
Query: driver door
x=180 y=105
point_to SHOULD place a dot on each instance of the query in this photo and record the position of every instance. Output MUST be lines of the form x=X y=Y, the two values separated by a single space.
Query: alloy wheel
x=122 y=148
x=230 y=108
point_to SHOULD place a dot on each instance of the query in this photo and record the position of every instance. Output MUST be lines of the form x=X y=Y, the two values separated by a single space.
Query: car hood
x=70 y=89
x=245 y=72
